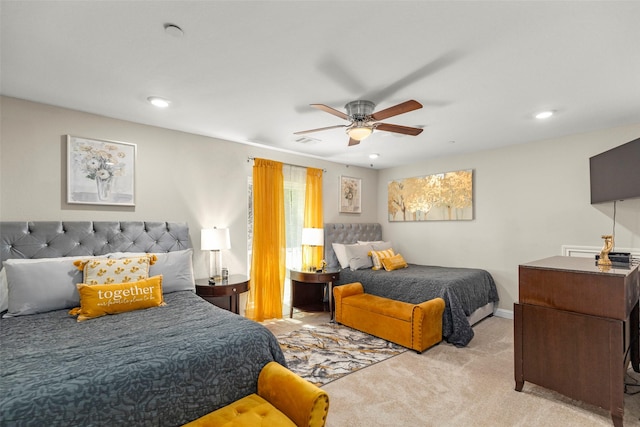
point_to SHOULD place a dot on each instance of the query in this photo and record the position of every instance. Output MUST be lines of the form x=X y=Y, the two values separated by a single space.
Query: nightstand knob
x=234 y=290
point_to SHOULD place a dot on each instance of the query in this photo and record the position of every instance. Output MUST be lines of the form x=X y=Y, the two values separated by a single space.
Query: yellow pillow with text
x=100 y=300
x=101 y=271
x=377 y=256
x=394 y=262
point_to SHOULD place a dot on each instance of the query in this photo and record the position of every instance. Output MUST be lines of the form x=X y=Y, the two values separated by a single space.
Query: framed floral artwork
x=100 y=172
x=350 y=195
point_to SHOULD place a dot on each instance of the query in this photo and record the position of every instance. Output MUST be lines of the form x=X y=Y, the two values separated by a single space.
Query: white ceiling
x=247 y=71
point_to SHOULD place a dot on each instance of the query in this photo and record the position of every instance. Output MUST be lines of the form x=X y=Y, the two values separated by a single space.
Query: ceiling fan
x=364 y=120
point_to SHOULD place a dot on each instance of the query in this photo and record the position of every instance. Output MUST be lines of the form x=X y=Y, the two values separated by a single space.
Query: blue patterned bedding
x=162 y=366
x=464 y=290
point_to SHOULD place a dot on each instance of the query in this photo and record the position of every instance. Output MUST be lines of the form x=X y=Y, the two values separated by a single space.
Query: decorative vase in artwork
x=104 y=187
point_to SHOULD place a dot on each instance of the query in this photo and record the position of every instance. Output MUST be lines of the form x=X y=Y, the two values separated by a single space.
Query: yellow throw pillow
x=377 y=256
x=100 y=300
x=394 y=262
x=101 y=271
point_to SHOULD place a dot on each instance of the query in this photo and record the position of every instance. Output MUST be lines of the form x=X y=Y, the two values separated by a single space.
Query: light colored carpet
x=323 y=353
x=450 y=386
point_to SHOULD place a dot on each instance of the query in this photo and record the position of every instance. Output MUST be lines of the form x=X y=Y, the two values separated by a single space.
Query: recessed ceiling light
x=544 y=115
x=158 y=102
x=173 y=30
x=374 y=155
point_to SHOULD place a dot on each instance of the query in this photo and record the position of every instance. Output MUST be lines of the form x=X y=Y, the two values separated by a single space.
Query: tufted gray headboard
x=51 y=239
x=347 y=233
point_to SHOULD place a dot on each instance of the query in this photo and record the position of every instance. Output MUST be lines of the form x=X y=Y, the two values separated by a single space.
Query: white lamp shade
x=313 y=236
x=215 y=239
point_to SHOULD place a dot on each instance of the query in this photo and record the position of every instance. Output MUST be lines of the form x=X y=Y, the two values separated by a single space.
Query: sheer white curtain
x=294 y=188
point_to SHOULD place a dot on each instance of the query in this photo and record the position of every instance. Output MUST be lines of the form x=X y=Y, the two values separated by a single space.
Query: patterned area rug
x=326 y=352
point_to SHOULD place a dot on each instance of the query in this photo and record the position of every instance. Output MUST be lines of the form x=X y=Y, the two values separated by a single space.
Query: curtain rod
x=288 y=164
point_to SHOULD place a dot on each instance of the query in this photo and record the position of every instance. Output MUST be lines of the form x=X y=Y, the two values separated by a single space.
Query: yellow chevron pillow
x=377 y=256
x=100 y=300
x=394 y=262
x=101 y=271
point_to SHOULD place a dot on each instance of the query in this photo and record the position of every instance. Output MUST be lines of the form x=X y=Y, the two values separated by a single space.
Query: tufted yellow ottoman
x=283 y=399
x=415 y=326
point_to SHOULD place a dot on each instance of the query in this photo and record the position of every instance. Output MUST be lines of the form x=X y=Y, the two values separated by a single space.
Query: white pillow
x=341 y=254
x=41 y=285
x=4 y=291
x=381 y=246
x=175 y=267
x=364 y=242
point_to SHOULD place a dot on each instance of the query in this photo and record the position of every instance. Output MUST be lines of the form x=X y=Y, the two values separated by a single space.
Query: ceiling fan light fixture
x=359 y=132
x=363 y=120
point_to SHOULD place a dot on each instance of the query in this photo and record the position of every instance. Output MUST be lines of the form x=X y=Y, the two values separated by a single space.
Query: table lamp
x=312 y=237
x=215 y=240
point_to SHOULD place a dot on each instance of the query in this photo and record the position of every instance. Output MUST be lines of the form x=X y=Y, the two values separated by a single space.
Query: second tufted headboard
x=347 y=233
x=52 y=239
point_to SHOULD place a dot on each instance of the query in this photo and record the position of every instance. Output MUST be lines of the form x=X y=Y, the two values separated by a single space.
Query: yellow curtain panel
x=312 y=256
x=269 y=253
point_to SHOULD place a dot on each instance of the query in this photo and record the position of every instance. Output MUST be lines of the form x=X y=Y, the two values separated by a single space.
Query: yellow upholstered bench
x=283 y=399
x=415 y=326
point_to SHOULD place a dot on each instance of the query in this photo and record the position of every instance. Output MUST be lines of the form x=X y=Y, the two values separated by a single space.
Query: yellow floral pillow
x=394 y=262
x=101 y=271
x=100 y=300
x=377 y=256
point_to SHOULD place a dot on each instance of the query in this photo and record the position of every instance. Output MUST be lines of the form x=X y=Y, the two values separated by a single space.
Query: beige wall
x=530 y=200
x=179 y=176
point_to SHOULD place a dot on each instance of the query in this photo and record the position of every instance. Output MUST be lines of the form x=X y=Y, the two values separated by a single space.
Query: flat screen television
x=615 y=174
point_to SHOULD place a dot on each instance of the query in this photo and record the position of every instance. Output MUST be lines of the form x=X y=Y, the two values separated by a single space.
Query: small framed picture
x=100 y=172
x=350 y=195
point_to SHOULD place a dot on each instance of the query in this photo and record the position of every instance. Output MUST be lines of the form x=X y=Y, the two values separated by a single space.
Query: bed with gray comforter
x=466 y=291
x=163 y=366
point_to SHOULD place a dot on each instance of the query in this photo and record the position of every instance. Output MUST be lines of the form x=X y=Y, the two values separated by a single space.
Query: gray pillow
x=358 y=256
x=176 y=269
x=41 y=285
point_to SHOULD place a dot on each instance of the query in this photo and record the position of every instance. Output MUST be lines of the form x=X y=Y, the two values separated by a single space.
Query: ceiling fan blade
x=353 y=142
x=330 y=110
x=426 y=70
x=399 y=129
x=302 y=132
x=404 y=107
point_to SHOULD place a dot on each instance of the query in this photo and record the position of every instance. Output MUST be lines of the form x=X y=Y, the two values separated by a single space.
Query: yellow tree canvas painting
x=439 y=197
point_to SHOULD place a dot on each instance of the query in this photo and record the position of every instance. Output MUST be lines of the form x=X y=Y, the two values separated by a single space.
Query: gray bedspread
x=162 y=366
x=463 y=289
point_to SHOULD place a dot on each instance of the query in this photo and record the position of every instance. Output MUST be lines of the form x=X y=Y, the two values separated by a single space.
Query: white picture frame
x=350 y=195
x=100 y=172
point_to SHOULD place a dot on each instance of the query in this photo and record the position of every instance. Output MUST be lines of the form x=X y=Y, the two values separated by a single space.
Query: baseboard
x=501 y=312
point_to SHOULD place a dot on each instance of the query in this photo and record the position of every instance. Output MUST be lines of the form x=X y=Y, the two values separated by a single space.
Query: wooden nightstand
x=226 y=294
x=308 y=297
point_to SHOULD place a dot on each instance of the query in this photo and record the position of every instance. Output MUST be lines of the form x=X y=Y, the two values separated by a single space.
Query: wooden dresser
x=576 y=329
